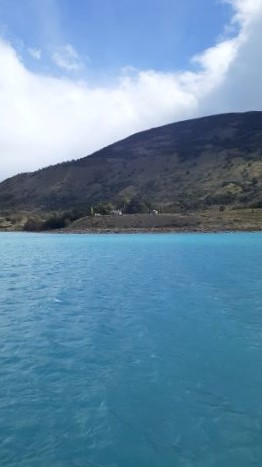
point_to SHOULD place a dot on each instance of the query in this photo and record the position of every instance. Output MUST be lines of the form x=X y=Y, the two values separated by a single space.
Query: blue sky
x=112 y=34
x=77 y=75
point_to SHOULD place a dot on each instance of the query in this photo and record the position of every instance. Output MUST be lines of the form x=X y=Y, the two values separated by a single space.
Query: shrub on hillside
x=33 y=225
x=56 y=221
x=138 y=206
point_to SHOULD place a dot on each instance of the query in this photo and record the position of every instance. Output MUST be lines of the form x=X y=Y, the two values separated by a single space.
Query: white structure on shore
x=116 y=212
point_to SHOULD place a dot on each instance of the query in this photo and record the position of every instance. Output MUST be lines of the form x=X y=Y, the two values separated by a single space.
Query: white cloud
x=35 y=53
x=67 y=58
x=44 y=119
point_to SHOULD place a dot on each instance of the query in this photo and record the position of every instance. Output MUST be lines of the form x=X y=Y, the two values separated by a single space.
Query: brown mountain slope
x=193 y=164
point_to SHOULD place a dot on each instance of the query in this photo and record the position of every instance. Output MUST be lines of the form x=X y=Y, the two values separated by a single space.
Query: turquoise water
x=131 y=350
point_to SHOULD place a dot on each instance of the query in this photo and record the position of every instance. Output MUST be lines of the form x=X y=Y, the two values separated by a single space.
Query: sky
x=78 y=75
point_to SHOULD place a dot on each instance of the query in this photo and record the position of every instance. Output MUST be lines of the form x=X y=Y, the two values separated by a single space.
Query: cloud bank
x=45 y=119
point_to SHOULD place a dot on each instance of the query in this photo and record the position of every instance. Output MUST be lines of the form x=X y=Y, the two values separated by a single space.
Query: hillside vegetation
x=193 y=166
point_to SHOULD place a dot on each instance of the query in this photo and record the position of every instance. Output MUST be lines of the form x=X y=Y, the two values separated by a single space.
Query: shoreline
x=132 y=231
x=149 y=231
x=212 y=221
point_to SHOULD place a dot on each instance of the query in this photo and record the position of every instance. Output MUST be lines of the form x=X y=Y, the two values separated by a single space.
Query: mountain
x=190 y=165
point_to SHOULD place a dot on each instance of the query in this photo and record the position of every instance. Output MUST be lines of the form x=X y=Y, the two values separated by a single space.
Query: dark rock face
x=214 y=160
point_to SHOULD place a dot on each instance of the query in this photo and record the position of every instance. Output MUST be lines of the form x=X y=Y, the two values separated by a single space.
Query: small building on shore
x=116 y=212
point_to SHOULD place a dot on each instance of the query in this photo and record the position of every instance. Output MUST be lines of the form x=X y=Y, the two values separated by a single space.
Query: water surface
x=131 y=350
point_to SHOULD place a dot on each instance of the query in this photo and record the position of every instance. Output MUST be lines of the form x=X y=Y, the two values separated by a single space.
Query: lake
x=131 y=350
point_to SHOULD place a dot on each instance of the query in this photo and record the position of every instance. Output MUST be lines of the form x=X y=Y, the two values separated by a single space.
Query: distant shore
x=209 y=221
x=212 y=221
x=151 y=231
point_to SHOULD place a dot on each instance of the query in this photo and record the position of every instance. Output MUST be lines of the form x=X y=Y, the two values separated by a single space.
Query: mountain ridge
x=209 y=161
